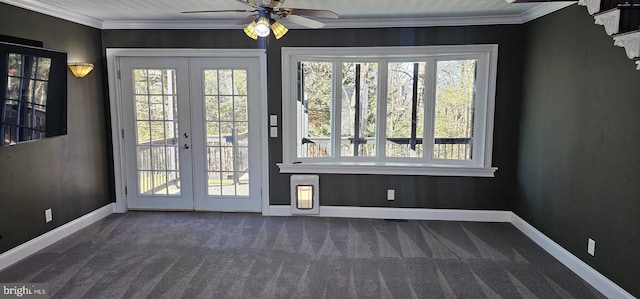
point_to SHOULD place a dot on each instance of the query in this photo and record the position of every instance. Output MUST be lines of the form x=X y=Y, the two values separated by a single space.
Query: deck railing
x=159 y=161
x=444 y=148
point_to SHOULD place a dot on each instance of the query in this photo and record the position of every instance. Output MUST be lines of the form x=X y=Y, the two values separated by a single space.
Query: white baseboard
x=582 y=269
x=401 y=213
x=18 y=253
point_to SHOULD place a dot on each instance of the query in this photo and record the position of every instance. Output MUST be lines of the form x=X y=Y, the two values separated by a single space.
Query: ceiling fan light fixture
x=261 y=28
x=250 y=30
x=278 y=29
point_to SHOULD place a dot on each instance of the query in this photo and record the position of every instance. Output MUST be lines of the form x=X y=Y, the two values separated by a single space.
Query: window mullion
x=479 y=118
x=414 y=108
x=381 y=140
x=336 y=102
x=296 y=95
x=429 y=106
x=356 y=122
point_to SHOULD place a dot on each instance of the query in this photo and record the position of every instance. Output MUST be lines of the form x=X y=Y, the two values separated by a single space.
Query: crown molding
x=543 y=10
x=423 y=22
x=172 y=24
x=338 y=23
x=55 y=11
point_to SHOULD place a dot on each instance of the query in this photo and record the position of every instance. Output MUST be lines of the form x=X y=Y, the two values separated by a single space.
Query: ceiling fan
x=531 y=1
x=264 y=12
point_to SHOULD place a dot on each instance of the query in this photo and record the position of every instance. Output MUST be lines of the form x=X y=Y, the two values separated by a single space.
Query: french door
x=191 y=133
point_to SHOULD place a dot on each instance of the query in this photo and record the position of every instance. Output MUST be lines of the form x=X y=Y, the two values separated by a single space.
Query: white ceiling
x=164 y=14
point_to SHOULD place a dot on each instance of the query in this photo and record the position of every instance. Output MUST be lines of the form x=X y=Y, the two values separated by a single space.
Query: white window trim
x=397 y=166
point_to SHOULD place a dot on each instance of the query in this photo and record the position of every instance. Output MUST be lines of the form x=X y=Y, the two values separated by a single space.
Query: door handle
x=185 y=146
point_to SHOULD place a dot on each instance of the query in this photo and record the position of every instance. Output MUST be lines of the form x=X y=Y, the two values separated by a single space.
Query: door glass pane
x=156 y=125
x=405 y=109
x=359 y=97
x=314 y=109
x=227 y=129
x=243 y=170
x=455 y=93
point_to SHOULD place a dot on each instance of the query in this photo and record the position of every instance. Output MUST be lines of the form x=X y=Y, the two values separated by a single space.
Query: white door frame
x=117 y=124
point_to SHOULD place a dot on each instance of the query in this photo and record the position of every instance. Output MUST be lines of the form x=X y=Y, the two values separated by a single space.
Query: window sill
x=388 y=169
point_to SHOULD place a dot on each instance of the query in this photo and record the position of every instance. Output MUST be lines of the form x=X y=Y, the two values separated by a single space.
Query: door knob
x=185 y=146
x=186 y=135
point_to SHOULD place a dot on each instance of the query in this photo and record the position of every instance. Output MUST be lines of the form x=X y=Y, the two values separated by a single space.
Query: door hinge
x=126 y=191
x=122 y=132
x=119 y=76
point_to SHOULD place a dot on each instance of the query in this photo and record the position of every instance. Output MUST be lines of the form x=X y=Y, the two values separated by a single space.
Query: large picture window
x=389 y=110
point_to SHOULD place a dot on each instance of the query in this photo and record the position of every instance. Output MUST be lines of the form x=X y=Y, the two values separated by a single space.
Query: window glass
x=314 y=109
x=405 y=109
x=454 y=106
x=359 y=104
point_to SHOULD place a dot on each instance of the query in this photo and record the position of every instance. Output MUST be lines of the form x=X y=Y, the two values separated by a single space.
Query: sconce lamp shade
x=80 y=69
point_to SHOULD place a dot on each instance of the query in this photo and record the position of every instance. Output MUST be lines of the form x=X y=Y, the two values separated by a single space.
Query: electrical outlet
x=47 y=215
x=591 y=247
x=391 y=194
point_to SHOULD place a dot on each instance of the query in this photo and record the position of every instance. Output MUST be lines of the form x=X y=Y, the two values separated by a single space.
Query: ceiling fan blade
x=320 y=13
x=222 y=10
x=247 y=20
x=304 y=21
x=269 y=3
x=531 y=1
x=251 y=3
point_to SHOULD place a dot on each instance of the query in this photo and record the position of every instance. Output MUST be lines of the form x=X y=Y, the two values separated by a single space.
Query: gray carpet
x=215 y=255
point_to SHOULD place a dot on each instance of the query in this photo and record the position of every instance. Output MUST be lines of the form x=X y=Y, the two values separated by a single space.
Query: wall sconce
x=305 y=195
x=80 y=69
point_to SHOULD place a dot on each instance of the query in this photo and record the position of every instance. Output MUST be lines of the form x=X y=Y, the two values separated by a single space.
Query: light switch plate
x=591 y=247
x=273 y=120
x=48 y=216
x=273 y=132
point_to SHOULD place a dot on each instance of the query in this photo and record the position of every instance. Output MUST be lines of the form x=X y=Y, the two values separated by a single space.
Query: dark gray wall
x=69 y=174
x=370 y=190
x=578 y=169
